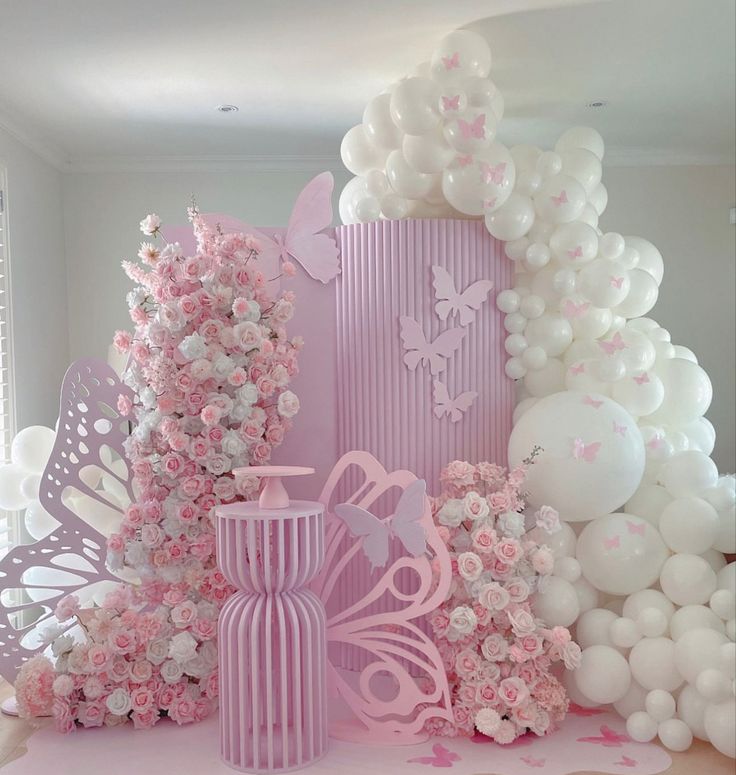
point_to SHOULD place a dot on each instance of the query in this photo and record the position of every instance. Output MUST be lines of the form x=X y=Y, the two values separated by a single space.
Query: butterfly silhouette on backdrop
x=419 y=350
x=608 y=738
x=452 y=303
x=615 y=344
x=404 y=525
x=302 y=240
x=441 y=757
x=452 y=407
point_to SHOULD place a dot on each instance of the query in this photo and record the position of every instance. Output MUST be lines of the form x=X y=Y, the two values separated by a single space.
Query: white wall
x=38 y=282
x=683 y=210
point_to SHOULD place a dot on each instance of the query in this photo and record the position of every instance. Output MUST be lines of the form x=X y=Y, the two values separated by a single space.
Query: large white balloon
x=603 y=675
x=687 y=579
x=593 y=457
x=558 y=605
x=11 y=493
x=653 y=665
x=513 y=219
x=581 y=137
x=404 y=179
x=720 y=722
x=461 y=53
x=688 y=392
x=621 y=553
x=689 y=525
x=359 y=154
x=688 y=474
x=414 y=105
x=378 y=124
x=31 y=448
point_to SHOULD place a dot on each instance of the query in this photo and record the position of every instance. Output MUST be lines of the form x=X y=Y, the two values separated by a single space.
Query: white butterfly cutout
x=451 y=302
x=452 y=407
x=436 y=352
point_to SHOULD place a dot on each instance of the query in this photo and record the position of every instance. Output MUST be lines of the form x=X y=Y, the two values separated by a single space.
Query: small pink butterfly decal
x=475 y=129
x=576 y=253
x=579 y=710
x=463 y=161
x=451 y=103
x=626 y=761
x=586 y=452
x=616 y=282
x=435 y=353
x=452 y=407
x=493 y=173
x=489 y=203
x=442 y=757
x=642 y=379
x=571 y=310
x=405 y=524
x=532 y=762
x=590 y=401
x=612 y=543
x=557 y=201
x=578 y=369
x=655 y=443
x=620 y=429
x=608 y=738
x=635 y=529
x=617 y=343
x=451 y=63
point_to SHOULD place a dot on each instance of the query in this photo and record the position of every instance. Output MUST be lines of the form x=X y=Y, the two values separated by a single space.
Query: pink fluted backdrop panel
x=382 y=406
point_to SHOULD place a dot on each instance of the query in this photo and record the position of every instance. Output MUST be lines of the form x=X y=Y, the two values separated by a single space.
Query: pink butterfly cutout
x=452 y=62
x=464 y=160
x=405 y=524
x=635 y=529
x=590 y=401
x=576 y=253
x=616 y=282
x=571 y=310
x=612 y=543
x=655 y=443
x=493 y=173
x=609 y=738
x=626 y=761
x=532 y=762
x=586 y=452
x=475 y=129
x=617 y=343
x=620 y=429
x=579 y=710
x=451 y=303
x=420 y=350
x=451 y=103
x=642 y=379
x=577 y=369
x=559 y=200
x=442 y=757
x=452 y=407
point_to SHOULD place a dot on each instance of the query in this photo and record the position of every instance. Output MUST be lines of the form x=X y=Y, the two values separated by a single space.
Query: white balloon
x=39 y=523
x=603 y=675
x=31 y=448
x=640 y=394
x=701 y=434
x=687 y=579
x=652 y=623
x=30 y=485
x=560 y=199
x=378 y=124
x=575 y=244
x=691 y=709
x=726 y=539
x=581 y=137
x=428 y=152
x=675 y=734
x=394 y=207
x=723 y=603
x=588 y=595
x=698 y=650
x=642 y=295
x=562 y=542
x=660 y=705
x=513 y=219
x=404 y=179
x=459 y=54
x=367 y=209
x=551 y=332
x=604 y=283
x=688 y=473
x=650 y=259
x=647 y=599
x=11 y=482
x=641 y=727
x=414 y=105
x=564 y=425
x=694 y=617
x=558 y=604
x=652 y=662
x=584 y=166
x=632 y=702
x=599 y=198
x=720 y=722
x=713 y=684
x=359 y=154
x=648 y=502
x=689 y=525
x=624 y=632
x=568 y=568
x=356 y=188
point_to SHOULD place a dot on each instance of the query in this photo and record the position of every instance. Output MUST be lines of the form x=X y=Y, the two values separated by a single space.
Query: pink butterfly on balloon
x=452 y=407
x=577 y=252
x=493 y=173
x=560 y=199
x=473 y=130
x=612 y=543
x=614 y=345
x=577 y=369
x=619 y=429
x=419 y=350
x=586 y=452
x=442 y=757
x=451 y=62
x=451 y=103
x=608 y=738
x=616 y=282
x=642 y=379
x=464 y=160
x=405 y=525
x=635 y=529
x=490 y=202
x=451 y=303
x=594 y=402
x=573 y=311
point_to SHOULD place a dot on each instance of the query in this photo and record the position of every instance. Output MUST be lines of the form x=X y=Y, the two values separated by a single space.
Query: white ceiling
x=96 y=84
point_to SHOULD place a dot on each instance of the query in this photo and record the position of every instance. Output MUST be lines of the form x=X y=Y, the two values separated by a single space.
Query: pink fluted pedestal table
x=272 y=644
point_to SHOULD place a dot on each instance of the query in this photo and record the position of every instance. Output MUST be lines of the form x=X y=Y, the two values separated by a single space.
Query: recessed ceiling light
x=596 y=104
x=227 y=108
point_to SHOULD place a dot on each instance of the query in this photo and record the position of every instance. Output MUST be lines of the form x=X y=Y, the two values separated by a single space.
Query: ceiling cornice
x=47 y=151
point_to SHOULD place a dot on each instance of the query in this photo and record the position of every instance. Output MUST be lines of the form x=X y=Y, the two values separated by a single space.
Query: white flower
x=451 y=514
x=463 y=621
x=239 y=412
x=62 y=645
x=150 y=224
x=218 y=464
x=288 y=404
x=248 y=336
x=183 y=646
x=172 y=250
x=248 y=394
x=118 y=702
x=512 y=523
x=193 y=347
x=157 y=650
x=487 y=721
x=222 y=367
x=475 y=506
x=253 y=312
x=548 y=519
x=184 y=614
x=136 y=297
x=232 y=444
x=172 y=671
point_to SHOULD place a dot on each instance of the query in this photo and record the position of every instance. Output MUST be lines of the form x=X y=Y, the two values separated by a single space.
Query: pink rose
x=493 y=597
x=532 y=645
x=518 y=590
x=467 y=663
x=543 y=561
x=508 y=550
x=67 y=607
x=97 y=656
x=469 y=566
x=91 y=714
x=494 y=648
x=513 y=691
x=122 y=341
x=484 y=539
x=499 y=502
x=522 y=622
x=459 y=473
x=141 y=699
x=486 y=693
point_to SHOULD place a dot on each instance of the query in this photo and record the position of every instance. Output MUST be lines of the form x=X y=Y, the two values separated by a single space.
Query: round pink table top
x=251 y=510
x=273 y=471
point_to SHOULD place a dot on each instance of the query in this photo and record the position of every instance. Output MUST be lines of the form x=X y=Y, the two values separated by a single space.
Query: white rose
x=171 y=671
x=253 y=313
x=184 y=614
x=62 y=645
x=183 y=646
x=232 y=444
x=240 y=411
x=150 y=224
x=512 y=523
x=247 y=335
x=475 y=506
x=193 y=347
x=248 y=394
x=463 y=621
x=172 y=250
x=222 y=366
x=288 y=404
x=157 y=650
x=118 y=702
x=451 y=514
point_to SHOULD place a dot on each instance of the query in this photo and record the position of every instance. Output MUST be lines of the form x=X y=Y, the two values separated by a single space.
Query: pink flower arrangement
x=498 y=655
x=209 y=364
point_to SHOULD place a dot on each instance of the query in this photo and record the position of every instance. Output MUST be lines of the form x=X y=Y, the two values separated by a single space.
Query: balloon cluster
x=617 y=407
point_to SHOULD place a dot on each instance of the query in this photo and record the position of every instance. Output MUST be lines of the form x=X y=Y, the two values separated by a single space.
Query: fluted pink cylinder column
x=272 y=644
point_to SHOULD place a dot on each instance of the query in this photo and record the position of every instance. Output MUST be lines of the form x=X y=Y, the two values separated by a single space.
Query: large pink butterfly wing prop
x=72 y=557
x=377 y=625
